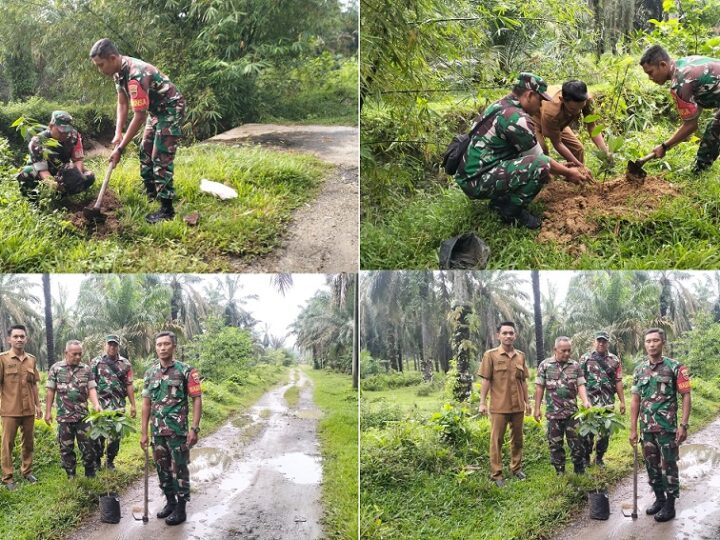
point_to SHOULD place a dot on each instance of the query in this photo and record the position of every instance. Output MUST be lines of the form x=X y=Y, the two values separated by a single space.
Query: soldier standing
x=504 y=161
x=563 y=378
x=603 y=376
x=114 y=377
x=694 y=85
x=72 y=382
x=56 y=159
x=656 y=384
x=504 y=374
x=168 y=385
x=155 y=102
x=19 y=404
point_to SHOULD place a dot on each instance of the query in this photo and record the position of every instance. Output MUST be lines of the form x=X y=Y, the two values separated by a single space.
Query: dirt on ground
x=572 y=211
x=697 y=509
x=323 y=236
x=100 y=229
x=257 y=478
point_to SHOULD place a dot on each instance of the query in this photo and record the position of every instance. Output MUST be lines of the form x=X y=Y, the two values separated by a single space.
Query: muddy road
x=697 y=509
x=323 y=236
x=257 y=478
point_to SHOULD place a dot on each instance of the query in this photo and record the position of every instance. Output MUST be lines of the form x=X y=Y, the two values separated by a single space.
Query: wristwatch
x=196 y=429
x=685 y=426
x=664 y=146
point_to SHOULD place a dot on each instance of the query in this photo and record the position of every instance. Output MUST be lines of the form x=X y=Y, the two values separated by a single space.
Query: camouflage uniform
x=695 y=84
x=561 y=382
x=503 y=161
x=658 y=386
x=148 y=89
x=52 y=157
x=72 y=385
x=112 y=378
x=601 y=375
x=168 y=390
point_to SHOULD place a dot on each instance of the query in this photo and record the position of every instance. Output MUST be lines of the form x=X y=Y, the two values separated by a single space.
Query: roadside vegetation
x=416 y=94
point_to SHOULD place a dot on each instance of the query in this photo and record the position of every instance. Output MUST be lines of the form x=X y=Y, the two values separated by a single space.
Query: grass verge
x=55 y=506
x=338 y=436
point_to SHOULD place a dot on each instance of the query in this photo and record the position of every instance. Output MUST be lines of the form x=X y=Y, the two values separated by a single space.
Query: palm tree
x=537 y=311
x=17 y=303
x=188 y=307
x=49 y=336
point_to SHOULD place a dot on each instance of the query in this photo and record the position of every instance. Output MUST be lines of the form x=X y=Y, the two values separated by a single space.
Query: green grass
x=338 y=436
x=269 y=185
x=55 y=505
x=415 y=486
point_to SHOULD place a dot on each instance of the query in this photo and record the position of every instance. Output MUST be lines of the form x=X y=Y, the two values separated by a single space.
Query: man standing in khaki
x=504 y=373
x=19 y=404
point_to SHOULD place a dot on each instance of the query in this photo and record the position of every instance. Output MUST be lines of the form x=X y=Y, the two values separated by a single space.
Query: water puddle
x=309 y=414
x=207 y=464
x=297 y=467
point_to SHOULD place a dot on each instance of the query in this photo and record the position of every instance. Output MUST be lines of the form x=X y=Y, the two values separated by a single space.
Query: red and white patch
x=138 y=96
x=194 y=388
x=683 y=380
x=686 y=109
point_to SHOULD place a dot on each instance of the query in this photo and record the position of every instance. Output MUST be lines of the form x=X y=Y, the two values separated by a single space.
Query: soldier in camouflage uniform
x=54 y=149
x=603 y=379
x=114 y=378
x=656 y=384
x=158 y=104
x=695 y=85
x=504 y=161
x=72 y=383
x=563 y=379
x=168 y=385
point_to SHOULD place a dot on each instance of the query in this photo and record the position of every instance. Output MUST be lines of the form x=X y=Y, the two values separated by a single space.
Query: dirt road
x=257 y=478
x=698 y=509
x=323 y=236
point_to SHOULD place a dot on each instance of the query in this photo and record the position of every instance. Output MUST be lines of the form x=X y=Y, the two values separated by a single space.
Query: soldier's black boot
x=667 y=512
x=169 y=508
x=166 y=212
x=178 y=515
x=110 y=465
x=655 y=507
x=599 y=461
x=579 y=468
x=560 y=470
x=150 y=191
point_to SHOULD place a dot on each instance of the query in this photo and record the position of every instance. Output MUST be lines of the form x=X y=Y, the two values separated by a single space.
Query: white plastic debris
x=217 y=189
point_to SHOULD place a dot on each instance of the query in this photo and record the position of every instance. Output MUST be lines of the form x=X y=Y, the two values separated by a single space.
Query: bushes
x=391 y=380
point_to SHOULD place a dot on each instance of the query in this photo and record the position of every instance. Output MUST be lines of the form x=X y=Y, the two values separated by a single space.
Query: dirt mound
x=570 y=210
x=109 y=207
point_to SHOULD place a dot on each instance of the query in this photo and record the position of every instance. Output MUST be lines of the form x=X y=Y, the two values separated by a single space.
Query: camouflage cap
x=112 y=337
x=62 y=120
x=602 y=335
x=533 y=82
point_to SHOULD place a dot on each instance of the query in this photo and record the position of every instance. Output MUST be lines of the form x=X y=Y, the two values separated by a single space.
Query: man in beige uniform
x=554 y=119
x=19 y=404
x=504 y=373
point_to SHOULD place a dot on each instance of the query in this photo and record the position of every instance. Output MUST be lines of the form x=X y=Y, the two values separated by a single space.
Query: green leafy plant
x=597 y=421
x=109 y=424
x=452 y=424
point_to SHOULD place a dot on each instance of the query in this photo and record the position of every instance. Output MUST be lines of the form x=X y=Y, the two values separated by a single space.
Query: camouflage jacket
x=695 y=83
x=146 y=87
x=506 y=132
x=52 y=157
x=112 y=378
x=658 y=386
x=601 y=375
x=72 y=385
x=561 y=382
x=168 y=390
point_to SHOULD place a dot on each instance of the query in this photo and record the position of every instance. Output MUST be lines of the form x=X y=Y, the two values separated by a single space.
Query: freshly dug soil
x=570 y=210
x=109 y=207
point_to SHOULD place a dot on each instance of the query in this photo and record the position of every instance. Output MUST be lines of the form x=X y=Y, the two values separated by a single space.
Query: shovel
x=635 y=168
x=93 y=213
x=144 y=517
x=634 y=513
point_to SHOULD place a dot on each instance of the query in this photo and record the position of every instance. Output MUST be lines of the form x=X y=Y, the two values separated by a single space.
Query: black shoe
x=526 y=219
x=109 y=465
x=10 y=486
x=599 y=462
x=30 y=478
x=506 y=211
x=499 y=482
x=166 y=212
x=90 y=473
x=520 y=475
x=655 y=507
x=178 y=515
x=169 y=508
x=560 y=471
x=579 y=468
x=667 y=512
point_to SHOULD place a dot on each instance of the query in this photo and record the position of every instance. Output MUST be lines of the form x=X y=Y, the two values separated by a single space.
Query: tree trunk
x=356 y=334
x=49 y=335
x=539 y=345
x=426 y=362
x=462 y=349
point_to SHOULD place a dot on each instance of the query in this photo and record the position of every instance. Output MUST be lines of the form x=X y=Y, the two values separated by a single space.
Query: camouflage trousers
x=516 y=181
x=557 y=431
x=709 y=148
x=157 y=150
x=661 y=454
x=600 y=448
x=67 y=433
x=29 y=181
x=113 y=447
x=172 y=457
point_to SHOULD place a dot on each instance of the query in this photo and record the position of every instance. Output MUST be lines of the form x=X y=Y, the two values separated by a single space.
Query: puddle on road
x=698 y=460
x=309 y=414
x=207 y=464
x=297 y=467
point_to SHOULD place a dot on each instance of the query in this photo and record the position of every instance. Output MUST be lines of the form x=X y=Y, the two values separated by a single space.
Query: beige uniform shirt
x=18 y=384
x=508 y=374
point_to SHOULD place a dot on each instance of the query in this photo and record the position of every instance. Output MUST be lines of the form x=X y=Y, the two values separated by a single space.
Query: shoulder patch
x=194 y=388
x=683 y=380
x=139 y=100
